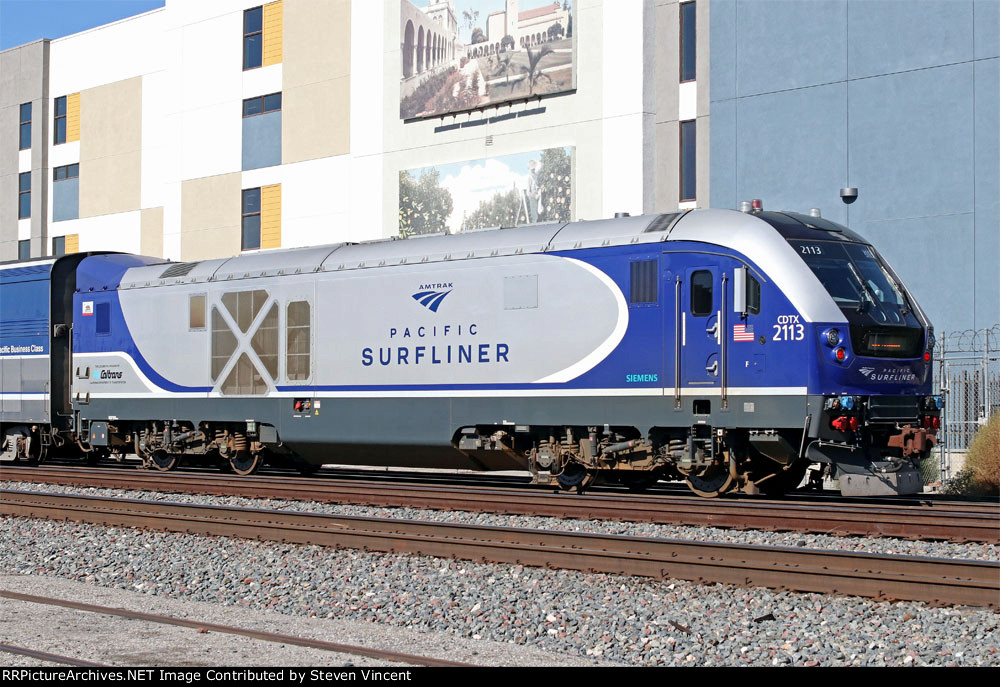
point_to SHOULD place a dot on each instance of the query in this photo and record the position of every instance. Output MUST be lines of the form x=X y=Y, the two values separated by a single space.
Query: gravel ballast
x=590 y=617
x=904 y=547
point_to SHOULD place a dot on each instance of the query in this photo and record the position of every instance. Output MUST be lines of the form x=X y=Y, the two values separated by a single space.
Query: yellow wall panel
x=274 y=29
x=270 y=216
x=72 y=243
x=73 y=117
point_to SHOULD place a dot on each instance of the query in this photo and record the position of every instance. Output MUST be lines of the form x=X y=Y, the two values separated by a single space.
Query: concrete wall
x=210 y=217
x=111 y=148
x=316 y=88
x=676 y=102
x=898 y=99
x=23 y=79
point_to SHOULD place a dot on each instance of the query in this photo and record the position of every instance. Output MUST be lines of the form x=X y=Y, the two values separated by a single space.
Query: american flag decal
x=742 y=332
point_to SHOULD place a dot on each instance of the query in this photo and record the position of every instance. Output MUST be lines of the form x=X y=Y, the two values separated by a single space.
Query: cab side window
x=701 y=293
x=753 y=295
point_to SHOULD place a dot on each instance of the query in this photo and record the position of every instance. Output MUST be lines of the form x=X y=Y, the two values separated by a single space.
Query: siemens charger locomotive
x=728 y=349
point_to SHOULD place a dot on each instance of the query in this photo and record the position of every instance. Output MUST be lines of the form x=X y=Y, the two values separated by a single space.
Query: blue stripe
x=437 y=301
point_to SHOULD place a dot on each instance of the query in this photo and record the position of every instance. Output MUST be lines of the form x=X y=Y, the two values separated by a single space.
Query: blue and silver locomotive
x=728 y=349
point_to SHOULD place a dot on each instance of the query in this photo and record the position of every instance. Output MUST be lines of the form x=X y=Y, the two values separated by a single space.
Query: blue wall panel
x=897 y=98
x=912 y=143
x=932 y=256
x=722 y=154
x=785 y=45
x=722 y=39
x=987 y=28
x=65 y=199
x=888 y=36
x=792 y=149
x=262 y=140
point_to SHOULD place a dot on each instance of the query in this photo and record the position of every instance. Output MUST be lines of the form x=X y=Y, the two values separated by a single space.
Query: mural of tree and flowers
x=506 y=191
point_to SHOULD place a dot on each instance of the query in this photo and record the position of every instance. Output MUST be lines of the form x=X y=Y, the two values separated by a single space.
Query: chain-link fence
x=968 y=375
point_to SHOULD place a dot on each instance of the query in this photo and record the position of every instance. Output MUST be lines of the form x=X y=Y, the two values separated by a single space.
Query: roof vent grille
x=178 y=269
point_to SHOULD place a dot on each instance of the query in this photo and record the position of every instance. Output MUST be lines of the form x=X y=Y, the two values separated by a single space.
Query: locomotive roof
x=760 y=237
x=538 y=238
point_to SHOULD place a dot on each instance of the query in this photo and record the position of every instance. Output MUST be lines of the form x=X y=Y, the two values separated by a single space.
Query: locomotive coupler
x=913 y=441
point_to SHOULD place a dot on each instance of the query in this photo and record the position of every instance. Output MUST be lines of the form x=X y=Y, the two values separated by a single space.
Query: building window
x=24 y=195
x=251 y=219
x=66 y=193
x=253 y=38
x=60 y=123
x=262 y=131
x=58 y=246
x=262 y=105
x=688 y=158
x=66 y=172
x=688 y=41
x=25 y=142
x=24 y=249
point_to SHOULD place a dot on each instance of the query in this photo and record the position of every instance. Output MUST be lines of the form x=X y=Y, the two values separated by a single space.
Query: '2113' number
x=789 y=332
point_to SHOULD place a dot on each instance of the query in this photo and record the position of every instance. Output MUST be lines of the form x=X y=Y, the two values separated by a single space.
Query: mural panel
x=461 y=55
x=506 y=191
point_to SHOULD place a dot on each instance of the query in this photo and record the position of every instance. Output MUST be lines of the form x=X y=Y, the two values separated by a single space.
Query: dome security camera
x=849 y=194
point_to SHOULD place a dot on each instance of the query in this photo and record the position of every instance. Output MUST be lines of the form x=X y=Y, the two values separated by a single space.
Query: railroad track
x=51 y=658
x=936 y=581
x=947 y=520
x=381 y=654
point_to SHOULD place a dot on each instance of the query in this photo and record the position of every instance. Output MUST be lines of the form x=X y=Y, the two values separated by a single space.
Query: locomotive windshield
x=868 y=295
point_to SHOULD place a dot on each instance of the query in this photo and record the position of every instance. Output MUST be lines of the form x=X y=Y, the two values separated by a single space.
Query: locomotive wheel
x=785 y=480
x=163 y=461
x=713 y=482
x=244 y=462
x=574 y=476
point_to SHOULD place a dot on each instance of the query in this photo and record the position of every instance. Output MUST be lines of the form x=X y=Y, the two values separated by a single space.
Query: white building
x=205 y=128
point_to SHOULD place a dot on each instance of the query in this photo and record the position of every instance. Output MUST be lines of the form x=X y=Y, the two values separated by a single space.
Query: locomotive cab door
x=702 y=322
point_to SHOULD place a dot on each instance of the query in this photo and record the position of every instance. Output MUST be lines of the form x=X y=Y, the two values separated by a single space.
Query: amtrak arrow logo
x=430 y=299
x=866 y=370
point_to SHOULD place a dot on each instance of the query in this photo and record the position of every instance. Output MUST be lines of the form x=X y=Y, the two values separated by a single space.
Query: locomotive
x=728 y=349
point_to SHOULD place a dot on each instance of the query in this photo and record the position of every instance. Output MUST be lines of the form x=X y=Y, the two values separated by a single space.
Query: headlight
x=832 y=337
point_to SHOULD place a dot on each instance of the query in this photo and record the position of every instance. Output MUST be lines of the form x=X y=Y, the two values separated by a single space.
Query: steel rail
x=933 y=580
x=54 y=658
x=394 y=656
x=973 y=522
